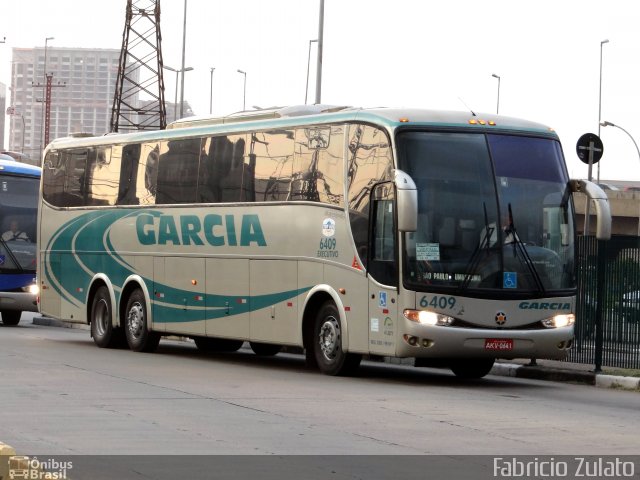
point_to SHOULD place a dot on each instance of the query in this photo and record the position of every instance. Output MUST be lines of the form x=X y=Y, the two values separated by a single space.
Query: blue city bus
x=19 y=189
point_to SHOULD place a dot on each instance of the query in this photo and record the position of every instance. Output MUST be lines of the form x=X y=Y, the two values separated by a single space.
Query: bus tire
x=211 y=344
x=327 y=343
x=11 y=317
x=472 y=367
x=265 y=349
x=139 y=337
x=102 y=330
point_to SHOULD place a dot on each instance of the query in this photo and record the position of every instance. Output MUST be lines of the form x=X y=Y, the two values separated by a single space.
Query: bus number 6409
x=438 y=301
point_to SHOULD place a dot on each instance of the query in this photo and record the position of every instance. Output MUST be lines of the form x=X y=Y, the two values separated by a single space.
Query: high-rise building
x=3 y=110
x=83 y=86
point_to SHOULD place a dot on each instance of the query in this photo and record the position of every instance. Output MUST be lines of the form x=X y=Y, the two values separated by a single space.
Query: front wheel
x=472 y=367
x=139 y=337
x=327 y=344
x=11 y=317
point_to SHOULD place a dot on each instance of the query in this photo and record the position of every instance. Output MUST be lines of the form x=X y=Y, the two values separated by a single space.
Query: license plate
x=498 y=344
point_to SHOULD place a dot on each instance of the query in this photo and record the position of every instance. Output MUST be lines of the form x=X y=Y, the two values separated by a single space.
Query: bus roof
x=17 y=168
x=281 y=117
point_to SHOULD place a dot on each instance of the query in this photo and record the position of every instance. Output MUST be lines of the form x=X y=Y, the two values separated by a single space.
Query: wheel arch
x=100 y=280
x=312 y=303
x=132 y=283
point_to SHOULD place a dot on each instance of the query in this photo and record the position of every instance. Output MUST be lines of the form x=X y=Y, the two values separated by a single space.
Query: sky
x=403 y=53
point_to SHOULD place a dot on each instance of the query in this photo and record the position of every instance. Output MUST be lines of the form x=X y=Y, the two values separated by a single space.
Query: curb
x=565 y=375
x=52 y=322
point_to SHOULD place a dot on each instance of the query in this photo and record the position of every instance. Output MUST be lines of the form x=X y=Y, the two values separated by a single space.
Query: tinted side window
x=53 y=178
x=102 y=182
x=65 y=178
x=269 y=165
x=221 y=173
x=318 y=165
x=178 y=164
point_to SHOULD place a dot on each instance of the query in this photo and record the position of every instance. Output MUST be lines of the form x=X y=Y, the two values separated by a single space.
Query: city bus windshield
x=494 y=213
x=18 y=216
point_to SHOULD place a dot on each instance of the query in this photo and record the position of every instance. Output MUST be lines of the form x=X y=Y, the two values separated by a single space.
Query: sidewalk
x=551 y=370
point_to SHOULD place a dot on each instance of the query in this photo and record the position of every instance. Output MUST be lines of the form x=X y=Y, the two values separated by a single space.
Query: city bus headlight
x=33 y=289
x=559 y=321
x=428 y=318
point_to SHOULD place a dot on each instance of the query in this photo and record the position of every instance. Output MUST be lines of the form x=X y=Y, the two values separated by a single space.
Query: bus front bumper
x=20 y=301
x=455 y=342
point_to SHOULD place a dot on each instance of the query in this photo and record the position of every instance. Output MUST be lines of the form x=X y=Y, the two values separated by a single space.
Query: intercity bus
x=19 y=185
x=441 y=236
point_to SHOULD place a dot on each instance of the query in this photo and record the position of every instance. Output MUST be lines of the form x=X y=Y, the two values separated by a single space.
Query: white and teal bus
x=440 y=236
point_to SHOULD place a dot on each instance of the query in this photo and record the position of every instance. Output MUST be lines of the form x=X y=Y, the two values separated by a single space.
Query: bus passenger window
x=178 y=171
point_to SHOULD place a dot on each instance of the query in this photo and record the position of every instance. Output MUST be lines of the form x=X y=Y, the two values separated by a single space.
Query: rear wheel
x=139 y=337
x=210 y=344
x=11 y=317
x=327 y=343
x=472 y=367
x=102 y=330
x=265 y=349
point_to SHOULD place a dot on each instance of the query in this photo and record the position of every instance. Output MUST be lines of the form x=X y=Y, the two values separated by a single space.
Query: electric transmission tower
x=138 y=103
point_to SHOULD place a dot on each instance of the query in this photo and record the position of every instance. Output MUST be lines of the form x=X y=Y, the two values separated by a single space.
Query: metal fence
x=618 y=344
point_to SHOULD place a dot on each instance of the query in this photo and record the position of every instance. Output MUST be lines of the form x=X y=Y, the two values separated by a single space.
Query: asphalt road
x=61 y=395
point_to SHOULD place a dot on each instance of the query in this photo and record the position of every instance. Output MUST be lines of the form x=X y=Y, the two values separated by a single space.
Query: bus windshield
x=494 y=213
x=18 y=216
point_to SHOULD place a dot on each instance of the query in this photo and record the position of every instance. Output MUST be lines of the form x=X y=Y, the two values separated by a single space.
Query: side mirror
x=407 y=202
x=601 y=203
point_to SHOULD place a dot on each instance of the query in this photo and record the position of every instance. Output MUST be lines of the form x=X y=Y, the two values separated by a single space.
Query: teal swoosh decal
x=91 y=233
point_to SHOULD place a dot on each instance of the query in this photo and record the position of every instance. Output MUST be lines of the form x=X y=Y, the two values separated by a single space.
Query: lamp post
x=498 y=104
x=175 y=102
x=244 y=94
x=319 y=60
x=183 y=69
x=600 y=98
x=46 y=44
x=211 y=92
x=306 y=90
x=604 y=123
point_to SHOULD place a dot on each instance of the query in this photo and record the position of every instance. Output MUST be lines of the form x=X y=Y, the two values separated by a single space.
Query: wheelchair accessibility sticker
x=509 y=280
x=382 y=299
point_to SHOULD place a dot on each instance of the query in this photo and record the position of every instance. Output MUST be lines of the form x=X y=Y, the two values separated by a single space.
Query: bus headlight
x=559 y=321
x=428 y=318
x=33 y=289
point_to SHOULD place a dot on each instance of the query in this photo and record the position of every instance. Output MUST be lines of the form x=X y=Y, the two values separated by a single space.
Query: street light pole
x=184 y=43
x=175 y=102
x=306 y=90
x=498 y=104
x=320 y=46
x=46 y=44
x=244 y=94
x=600 y=99
x=604 y=123
x=211 y=92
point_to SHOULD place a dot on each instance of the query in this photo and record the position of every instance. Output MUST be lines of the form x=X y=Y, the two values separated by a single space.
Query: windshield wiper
x=518 y=246
x=11 y=255
x=475 y=257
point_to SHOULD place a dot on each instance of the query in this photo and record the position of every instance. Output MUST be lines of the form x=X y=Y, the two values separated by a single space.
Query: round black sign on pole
x=589 y=142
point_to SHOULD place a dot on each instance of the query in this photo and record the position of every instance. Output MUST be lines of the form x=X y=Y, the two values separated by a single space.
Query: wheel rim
x=102 y=317
x=135 y=320
x=329 y=338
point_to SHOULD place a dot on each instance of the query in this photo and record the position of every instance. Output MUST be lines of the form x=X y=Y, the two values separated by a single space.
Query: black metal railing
x=618 y=345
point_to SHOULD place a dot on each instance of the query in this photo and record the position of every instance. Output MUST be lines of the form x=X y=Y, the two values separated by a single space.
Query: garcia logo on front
x=215 y=230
